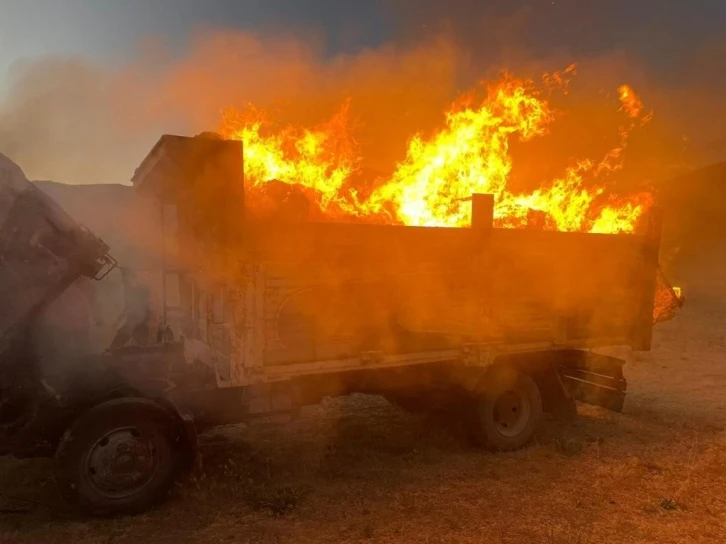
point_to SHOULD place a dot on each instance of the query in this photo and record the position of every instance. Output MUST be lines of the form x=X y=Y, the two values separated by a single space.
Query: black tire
x=120 y=458
x=505 y=411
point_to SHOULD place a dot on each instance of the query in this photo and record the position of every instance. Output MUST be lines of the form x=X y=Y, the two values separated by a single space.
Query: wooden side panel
x=586 y=282
x=336 y=291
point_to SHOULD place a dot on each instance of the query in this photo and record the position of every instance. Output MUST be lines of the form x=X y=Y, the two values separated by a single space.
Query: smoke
x=79 y=122
x=677 y=68
x=59 y=120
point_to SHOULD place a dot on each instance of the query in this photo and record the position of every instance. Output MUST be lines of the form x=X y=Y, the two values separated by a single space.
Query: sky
x=111 y=29
x=675 y=46
x=660 y=30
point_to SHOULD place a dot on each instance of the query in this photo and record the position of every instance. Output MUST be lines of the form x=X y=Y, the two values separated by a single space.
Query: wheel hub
x=121 y=462
x=511 y=412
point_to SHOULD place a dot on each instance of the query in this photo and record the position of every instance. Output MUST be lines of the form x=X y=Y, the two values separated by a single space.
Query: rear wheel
x=505 y=411
x=120 y=458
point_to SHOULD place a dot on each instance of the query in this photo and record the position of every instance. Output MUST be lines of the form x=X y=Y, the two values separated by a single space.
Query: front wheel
x=505 y=411
x=120 y=458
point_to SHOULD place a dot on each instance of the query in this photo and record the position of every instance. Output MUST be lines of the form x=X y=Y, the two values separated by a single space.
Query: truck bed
x=305 y=297
x=333 y=291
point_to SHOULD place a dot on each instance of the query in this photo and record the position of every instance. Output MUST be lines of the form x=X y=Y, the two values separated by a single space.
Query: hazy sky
x=660 y=30
x=109 y=29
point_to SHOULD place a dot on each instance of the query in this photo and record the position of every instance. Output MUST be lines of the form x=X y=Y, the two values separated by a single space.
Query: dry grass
x=359 y=470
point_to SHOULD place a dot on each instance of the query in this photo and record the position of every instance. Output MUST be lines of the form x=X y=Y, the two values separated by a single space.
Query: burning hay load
x=432 y=185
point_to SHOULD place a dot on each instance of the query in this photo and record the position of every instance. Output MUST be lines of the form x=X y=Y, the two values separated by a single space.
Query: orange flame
x=321 y=159
x=631 y=104
x=433 y=184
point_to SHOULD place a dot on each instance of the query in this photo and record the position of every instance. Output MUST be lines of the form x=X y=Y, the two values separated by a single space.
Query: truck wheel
x=506 y=411
x=120 y=458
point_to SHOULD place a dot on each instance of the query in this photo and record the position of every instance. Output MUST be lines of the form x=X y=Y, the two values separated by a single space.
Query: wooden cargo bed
x=336 y=290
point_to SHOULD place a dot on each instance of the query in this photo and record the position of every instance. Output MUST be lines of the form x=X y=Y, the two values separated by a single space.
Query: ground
x=360 y=470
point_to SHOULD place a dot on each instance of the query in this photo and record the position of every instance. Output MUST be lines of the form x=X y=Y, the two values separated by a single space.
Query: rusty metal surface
x=668 y=300
x=594 y=378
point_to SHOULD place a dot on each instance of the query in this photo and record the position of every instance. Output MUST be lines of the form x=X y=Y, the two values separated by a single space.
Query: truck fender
x=186 y=418
x=543 y=369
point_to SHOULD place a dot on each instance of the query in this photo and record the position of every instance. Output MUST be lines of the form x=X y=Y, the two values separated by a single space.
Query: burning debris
x=432 y=184
x=282 y=201
x=667 y=300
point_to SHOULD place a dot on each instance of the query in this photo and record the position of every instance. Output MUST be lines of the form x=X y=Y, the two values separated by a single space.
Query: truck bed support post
x=482 y=221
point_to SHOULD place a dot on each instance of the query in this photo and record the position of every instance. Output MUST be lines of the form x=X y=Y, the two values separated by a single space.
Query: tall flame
x=321 y=159
x=470 y=154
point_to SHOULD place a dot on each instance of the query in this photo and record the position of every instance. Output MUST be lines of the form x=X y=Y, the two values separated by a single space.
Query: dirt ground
x=360 y=470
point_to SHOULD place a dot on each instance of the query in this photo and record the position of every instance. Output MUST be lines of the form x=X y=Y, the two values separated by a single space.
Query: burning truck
x=261 y=316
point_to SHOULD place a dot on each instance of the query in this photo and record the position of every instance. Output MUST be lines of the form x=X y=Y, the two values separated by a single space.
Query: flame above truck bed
x=431 y=185
x=202 y=178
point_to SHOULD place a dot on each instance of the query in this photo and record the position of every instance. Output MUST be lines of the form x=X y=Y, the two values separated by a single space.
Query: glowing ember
x=630 y=101
x=433 y=184
x=667 y=300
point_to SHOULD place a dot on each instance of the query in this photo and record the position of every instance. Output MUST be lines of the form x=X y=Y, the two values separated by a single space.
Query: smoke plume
x=75 y=121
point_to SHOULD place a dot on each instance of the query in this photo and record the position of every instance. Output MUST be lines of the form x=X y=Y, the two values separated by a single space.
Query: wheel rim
x=123 y=461
x=511 y=412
